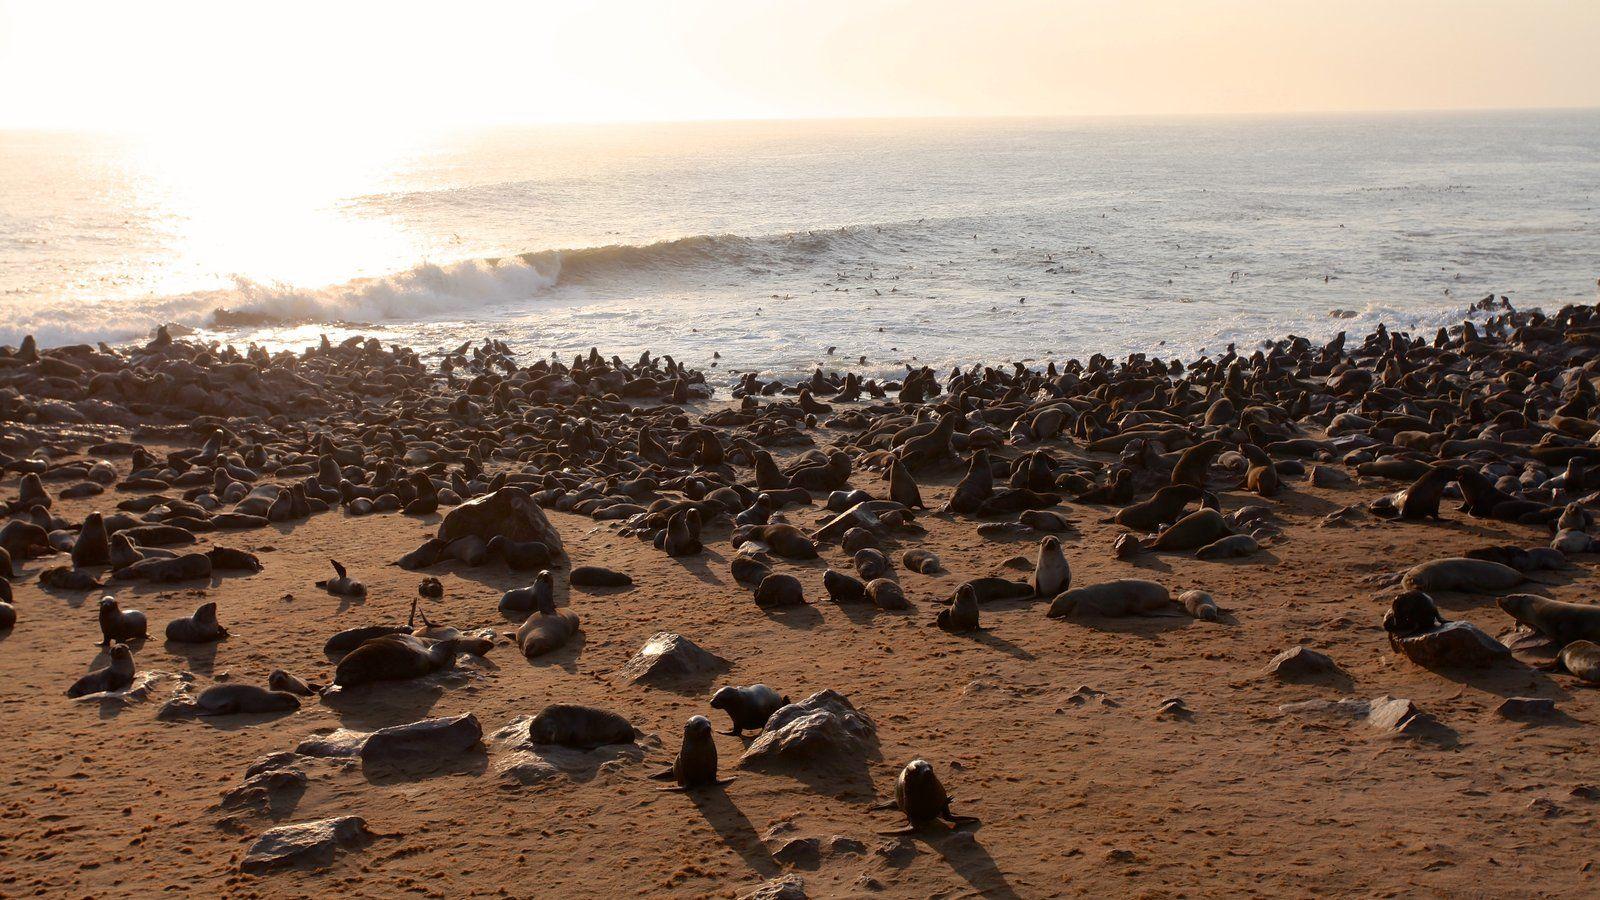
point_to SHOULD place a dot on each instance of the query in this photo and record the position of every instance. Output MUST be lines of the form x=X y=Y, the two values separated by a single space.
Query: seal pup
x=921 y=798
x=521 y=556
x=1581 y=658
x=229 y=699
x=748 y=707
x=696 y=763
x=120 y=625
x=66 y=578
x=200 y=628
x=579 y=727
x=342 y=585
x=114 y=677
x=1051 y=575
x=536 y=596
x=962 y=613
x=398 y=657
x=1411 y=613
x=279 y=680
x=545 y=629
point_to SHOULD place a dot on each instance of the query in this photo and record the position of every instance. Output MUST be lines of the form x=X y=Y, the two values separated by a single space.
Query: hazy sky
x=226 y=64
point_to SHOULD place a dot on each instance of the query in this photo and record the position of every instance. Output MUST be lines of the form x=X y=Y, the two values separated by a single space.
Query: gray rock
x=315 y=843
x=340 y=744
x=804 y=853
x=1302 y=664
x=668 y=657
x=1526 y=708
x=429 y=738
x=824 y=724
x=1387 y=714
x=509 y=512
x=789 y=887
x=259 y=791
x=1454 y=644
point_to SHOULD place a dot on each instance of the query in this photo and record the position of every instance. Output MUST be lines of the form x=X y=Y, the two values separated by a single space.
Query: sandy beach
x=1058 y=734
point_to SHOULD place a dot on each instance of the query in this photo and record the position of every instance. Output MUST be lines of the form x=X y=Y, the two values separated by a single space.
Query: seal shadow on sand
x=735 y=829
x=238 y=721
x=1135 y=626
x=701 y=567
x=803 y=617
x=563 y=657
x=473 y=761
x=201 y=658
x=373 y=706
x=968 y=859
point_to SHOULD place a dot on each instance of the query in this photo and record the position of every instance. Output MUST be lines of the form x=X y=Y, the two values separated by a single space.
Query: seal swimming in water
x=119 y=625
x=921 y=798
x=696 y=762
x=200 y=628
x=748 y=707
x=114 y=677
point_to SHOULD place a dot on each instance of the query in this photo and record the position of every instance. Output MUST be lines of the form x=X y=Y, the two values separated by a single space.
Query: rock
x=427 y=739
x=261 y=789
x=1387 y=714
x=789 y=887
x=510 y=513
x=1526 y=708
x=272 y=761
x=824 y=724
x=595 y=576
x=670 y=657
x=840 y=844
x=805 y=853
x=316 y=843
x=1302 y=664
x=341 y=743
x=1454 y=644
x=525 y=767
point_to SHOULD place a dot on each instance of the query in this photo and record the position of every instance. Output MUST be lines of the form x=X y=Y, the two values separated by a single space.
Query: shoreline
x=1059 y=734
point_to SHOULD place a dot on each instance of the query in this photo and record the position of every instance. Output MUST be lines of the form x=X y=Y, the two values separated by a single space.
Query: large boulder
x=824 y=724
x=1455 y=644
x=671 y=658
x=313 y=843
x=510 y=513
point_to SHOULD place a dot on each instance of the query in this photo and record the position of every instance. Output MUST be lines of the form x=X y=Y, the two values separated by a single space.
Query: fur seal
x=520 y=556
x=903 y=487
x=398 y=657
x=229 y=699
x=431 y=589
x=921 y=798
x=1461 y=574
x=1200 y=605
x=1261 y=478
x=536 y=596
x=66 y=578
x=988 y=589
x=870 y=564
x=1193 y=531
x=113 y=677
x=1231 y=547
x=545 y=629
x=342 y=585
x=200 y=628
x=1193 y=463
x=165 y=570
x=1051 y=574
x=1411 y=613
x=1582 y=658
x=748 y=708
x=696 y=763
x=118 y=625
x=230 y=559
x=923 y=562
x=8 y=615
x=1048 y=521
x=579 y=727
x=1557 y=620
x=843 y=588
x=93 y=546
x=1111 y=599
x=1165 y=506
x=1421 y=499
x=749 y=571
x=962 y=613
x=779 y=590
x=973 y=489
x=279 y=680
x=344 y=641
x=595 y=576
x=786 y=541
x=886 y=593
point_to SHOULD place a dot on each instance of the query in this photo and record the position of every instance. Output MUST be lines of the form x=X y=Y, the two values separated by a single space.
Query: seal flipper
x=909 y=829
x=882 y=805
x=339 y=569
x=666 y=774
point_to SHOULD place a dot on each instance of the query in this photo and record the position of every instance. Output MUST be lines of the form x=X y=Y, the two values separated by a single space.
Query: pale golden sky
x=287 y=64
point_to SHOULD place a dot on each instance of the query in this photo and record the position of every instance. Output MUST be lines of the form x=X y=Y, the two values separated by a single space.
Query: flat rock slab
x=1391 y=715
x=789 y=887
x=1524 y=709
x=669 y=657
x=307 y=843
x=822 y=725
x=1453 y=645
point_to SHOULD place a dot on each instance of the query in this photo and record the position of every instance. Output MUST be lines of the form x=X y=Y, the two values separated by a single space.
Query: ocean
x=766 y=245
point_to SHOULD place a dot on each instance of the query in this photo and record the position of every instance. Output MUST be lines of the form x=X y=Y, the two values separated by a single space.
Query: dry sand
x=1078 y=796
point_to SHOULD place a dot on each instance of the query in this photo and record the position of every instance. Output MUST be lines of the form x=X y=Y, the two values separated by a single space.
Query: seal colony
x=1014 y=571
